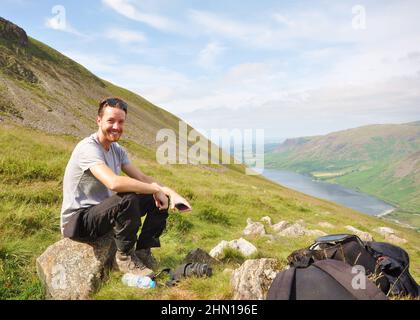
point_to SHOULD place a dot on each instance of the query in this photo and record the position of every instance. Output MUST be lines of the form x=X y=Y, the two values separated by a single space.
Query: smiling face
x=111 y=124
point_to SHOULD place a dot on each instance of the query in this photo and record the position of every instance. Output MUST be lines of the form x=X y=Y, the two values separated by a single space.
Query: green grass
x=32 y=164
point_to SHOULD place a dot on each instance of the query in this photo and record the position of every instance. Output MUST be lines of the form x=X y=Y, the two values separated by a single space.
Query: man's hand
x=179 y=203
x=161 y=200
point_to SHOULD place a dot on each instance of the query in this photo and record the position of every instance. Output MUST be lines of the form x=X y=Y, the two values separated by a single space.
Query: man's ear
x=98 y=119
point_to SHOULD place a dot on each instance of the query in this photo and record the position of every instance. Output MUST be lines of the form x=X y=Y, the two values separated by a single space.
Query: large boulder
x=254 y=228
x=246 y=248
x=253 y=278
x=73 y=270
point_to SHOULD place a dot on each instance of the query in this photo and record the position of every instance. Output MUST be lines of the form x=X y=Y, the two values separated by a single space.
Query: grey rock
x=74 y=270
x=389 y=235
x=365 y=236
x=246 y=248
x=280 y=226
x=295 y=230
x=253 y=278
x=253 y=228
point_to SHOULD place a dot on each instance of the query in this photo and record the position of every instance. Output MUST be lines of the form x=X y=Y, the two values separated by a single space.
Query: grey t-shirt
x=80 y=187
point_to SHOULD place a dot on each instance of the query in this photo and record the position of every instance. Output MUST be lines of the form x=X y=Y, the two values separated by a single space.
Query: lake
x=347 y=197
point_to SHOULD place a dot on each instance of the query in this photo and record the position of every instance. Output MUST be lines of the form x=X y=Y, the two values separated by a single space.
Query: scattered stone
x=267 y=220
x=395 y=239
x=217 y=251
x=201 y=256
x=365 y=236
x=384 y=231
x=326 y=225
x=245 y=247
x=71 y=270
x=253 y=228
x=295 y=230
x=253 y=278
x=280 y=226
x=389 y=235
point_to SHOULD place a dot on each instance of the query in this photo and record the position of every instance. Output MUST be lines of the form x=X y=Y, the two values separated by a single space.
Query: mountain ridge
x=379 y=159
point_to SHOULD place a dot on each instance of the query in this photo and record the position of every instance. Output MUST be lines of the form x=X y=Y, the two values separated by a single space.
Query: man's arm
x=120 y=183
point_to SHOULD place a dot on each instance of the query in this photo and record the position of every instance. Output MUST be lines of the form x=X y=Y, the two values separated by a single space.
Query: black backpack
x=385 y=264
x=394 y=262
x=326 y=279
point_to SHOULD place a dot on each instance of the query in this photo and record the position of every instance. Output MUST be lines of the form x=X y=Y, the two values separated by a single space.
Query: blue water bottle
x=134 y=280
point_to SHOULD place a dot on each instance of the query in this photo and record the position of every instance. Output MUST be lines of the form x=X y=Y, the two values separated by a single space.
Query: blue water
x=347 y=197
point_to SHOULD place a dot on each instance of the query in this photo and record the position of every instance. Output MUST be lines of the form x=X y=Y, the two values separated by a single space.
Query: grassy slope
x=31 y=168
x=367 y=158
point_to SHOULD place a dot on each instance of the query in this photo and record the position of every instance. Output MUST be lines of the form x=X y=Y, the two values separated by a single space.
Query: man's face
x=111 y=123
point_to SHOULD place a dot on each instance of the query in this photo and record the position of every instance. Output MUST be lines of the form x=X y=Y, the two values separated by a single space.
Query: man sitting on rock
x=96 y=199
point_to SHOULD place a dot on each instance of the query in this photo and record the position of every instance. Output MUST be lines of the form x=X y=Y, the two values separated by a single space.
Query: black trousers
x=122 y=213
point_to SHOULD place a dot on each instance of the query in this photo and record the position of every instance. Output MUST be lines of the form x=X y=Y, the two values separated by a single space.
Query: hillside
x=43 y=89
x=382 y=160
x=48 y=103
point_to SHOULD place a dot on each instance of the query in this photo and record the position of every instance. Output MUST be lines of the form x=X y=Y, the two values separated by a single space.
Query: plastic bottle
x=133 y=280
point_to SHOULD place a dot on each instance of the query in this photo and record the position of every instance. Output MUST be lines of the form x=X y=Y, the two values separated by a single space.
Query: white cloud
x=209 y=54
x=125 y=36
x=127 y=9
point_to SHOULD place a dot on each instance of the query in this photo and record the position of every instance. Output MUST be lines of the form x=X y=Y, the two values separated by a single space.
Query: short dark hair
x=113 y=102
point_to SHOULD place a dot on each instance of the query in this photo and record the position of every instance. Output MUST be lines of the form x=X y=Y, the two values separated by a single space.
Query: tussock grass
x=213 y=215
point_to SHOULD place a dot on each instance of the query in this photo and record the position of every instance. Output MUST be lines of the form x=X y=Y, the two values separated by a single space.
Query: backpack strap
x=341 y=272
x=281 y=288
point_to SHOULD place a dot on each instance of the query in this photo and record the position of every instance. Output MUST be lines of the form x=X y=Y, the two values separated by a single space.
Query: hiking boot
x=130 y=263
x=146 y=256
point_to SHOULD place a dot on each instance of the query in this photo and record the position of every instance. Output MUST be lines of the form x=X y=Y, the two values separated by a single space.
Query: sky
x=291 y=68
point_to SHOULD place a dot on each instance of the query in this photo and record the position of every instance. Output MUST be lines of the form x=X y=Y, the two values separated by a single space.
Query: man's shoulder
x=87 y=141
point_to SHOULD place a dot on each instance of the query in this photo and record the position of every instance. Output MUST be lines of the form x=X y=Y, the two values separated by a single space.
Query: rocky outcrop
x=253 y=228
x=389 y=235
x=365 y=236
x=11 y=32
x=253 y=278
x=73 y=270
x=246 y=248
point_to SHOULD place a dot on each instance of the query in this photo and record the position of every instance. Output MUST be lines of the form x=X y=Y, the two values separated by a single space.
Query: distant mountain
x=382 y=160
